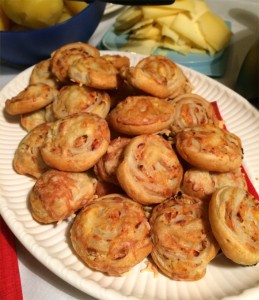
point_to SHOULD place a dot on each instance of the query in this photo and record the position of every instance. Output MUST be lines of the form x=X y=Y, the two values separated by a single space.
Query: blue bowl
x=28 y=47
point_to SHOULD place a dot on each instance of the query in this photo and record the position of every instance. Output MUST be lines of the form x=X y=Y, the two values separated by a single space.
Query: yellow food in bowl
x=35 y=14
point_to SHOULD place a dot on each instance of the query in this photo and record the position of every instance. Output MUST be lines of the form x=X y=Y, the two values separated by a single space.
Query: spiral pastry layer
x=234 y=218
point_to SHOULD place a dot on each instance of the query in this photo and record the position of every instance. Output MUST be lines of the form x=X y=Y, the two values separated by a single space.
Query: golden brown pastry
x=191 y=110
x=150 y=171
x=210 y=148
x=157 y=76
x=76 y=143
x=141 y=115
x=202 y=184
x=27 y=158
x=95 y=72
x=118 y=61
x=183 y=243
x=32 y=98
x=57 y=195
x=111 y=234
x=234 y=218
x=41 y=73
x=107 y=165
x=66 y=55
x=73 y=99
x=33 y=119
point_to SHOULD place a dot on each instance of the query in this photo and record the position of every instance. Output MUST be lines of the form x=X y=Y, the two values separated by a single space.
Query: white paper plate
x=50 y=244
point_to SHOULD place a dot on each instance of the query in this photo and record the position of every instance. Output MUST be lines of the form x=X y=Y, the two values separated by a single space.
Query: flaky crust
x=73 y=99
x=202 y=184
x=27 y=158
x=95 y=72
x=33 y=119
x=57 y=195
x=32 y=98
x=157 y=76
x=210 y=148
x=150 y=171
x=66 y=55
x=183 y=243
x=76 y=143
x=118 y=61
x=141 y=115
x=111 y=234
x=191 y=110
x=107 y=165
x=233 y=214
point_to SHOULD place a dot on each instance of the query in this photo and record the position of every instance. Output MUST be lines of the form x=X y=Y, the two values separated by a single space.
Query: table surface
x=37 y=281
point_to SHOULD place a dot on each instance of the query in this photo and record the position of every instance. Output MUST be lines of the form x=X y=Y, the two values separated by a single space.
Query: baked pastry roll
x=183 y=243
x=191 y=110
x=118 y=61
x=210 y=148
x=73 y=99
x=150 y=171
x=57 y=195
x=157 y=76
x=66 y=55
x=111 y=234
x=95 y=72
x=107 y=165
x=32 y=98
x=41 y=73
x=202 y=184
x=27 y=158
x=141 y=115
x=233 y=214
x=33 y=119
x=76 y=143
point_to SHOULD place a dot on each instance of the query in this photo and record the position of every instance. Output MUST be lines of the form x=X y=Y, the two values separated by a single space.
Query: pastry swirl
x=183 y=243
x=150 y=171
x=73 y=99
x=157 y=76
x=234 y=218
x=210 y=148
x=57 y=195
x=192 y=110
x=111 y=234
x=76 y=143
x=141 y=115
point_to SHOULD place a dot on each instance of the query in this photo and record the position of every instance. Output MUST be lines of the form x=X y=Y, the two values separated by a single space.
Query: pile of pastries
x=143 y=165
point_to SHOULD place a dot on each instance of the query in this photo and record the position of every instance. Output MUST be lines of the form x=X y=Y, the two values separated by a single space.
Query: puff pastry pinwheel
x=33 y=119
x=157 y=76
x=202 y=184
x=118 y=61
x=191 y=110
x=32 y=98
x=76 y=143
x=95 y=72
x=234 y=218
x=150 y=171
x=27 y=158
x=74 y=98
x=183 y=243
x=66 y=55
x=57 y=195
x=107 y=165
x=141 y=115
x=111 y=234
x=210 y=148
x=41 y=73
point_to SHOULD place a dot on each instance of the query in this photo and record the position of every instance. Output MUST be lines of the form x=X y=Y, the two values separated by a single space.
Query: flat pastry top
x=76 y=133
x=210 y=148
